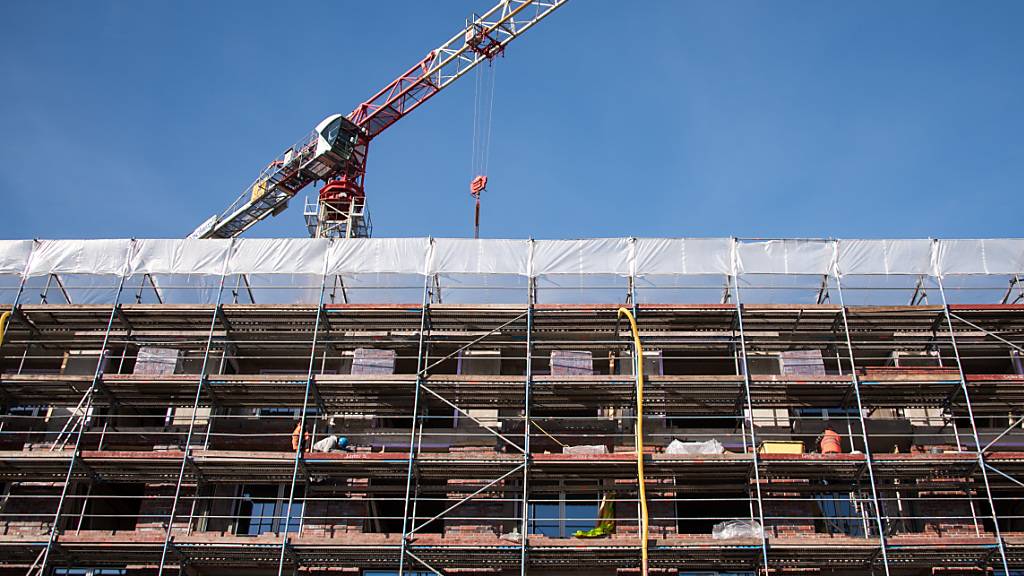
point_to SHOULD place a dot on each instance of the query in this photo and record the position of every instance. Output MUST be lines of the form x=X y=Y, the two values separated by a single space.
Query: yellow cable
x=3 y=325
x=644 y=522
x=560 y=443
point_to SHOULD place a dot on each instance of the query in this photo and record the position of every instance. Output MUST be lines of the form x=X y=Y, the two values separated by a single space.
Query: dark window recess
x=430 y=503
x=112 y=507
x=387 y=507
x=982 y=421
x=432 y=417
x=130 y=418
x=700 y=516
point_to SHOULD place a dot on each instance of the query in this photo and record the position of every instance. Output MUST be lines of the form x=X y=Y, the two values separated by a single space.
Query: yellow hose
x=3 y=325
x=644 y=522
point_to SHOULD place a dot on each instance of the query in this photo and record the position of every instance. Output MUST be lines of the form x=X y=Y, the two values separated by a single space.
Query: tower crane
x=334 y=153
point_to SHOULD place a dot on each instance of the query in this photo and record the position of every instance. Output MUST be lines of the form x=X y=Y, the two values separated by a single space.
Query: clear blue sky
x=612 y=118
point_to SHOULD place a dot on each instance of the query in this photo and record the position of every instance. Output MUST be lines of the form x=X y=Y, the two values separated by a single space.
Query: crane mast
x=334 y=153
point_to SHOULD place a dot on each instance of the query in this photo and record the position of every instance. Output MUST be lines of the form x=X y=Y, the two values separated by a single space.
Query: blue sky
x=612 y=118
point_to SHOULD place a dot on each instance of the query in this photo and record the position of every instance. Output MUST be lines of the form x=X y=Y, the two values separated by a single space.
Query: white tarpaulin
x=607 y=256
x=379 y=255
x=14 y=255
x=672 y=256
x=999 y=256
x=785 y=257
x=594 y=256
x=466 y=256
x=80 y=257
x=885 y=256
x=279 y=256
x=189 y=256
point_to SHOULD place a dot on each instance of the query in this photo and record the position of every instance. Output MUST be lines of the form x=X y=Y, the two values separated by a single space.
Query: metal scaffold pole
x=86 y=407
x=187 y=449
x=868 y=459
x=978 y=449
x=750 y=422
x=527 y=423
x=301 y=444
x=411 y=457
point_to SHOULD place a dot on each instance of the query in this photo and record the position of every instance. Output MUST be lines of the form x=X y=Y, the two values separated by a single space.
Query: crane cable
x=483 y=110
x=639 y=359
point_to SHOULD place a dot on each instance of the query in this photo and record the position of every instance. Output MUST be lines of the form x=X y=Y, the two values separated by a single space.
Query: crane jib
x=344 y=162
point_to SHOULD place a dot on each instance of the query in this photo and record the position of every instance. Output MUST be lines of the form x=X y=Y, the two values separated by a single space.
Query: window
x=89 y=571
x=681 y=573
x=840 y=514
x=561 y=515
x=700 y=421
x=262 y=508
x=25 y=411
x=283 y=413
x=827 y=413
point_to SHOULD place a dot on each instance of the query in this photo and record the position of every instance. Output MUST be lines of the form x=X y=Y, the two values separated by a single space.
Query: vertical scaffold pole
x=750 y=421
x=527 y=385
x=411 y=457
x=186 y=451
x=44 y=566
x=302 y=424
x=978 y=449
x=868 y=459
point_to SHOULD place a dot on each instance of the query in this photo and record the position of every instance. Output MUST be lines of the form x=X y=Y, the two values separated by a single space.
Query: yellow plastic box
x=781 y=447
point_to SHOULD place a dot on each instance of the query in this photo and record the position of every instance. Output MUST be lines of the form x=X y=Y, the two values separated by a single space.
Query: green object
x=600 y=531
x=605 y=521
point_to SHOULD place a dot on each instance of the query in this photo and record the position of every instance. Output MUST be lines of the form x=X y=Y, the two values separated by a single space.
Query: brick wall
x=30 y=508
x=788 y=518
x=156 y=505
x=471 y=517
x=328 y=517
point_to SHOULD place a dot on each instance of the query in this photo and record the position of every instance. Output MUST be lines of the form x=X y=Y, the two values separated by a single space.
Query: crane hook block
x=478 y=185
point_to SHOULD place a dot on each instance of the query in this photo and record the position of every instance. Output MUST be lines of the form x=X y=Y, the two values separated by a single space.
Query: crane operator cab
x=338 y=138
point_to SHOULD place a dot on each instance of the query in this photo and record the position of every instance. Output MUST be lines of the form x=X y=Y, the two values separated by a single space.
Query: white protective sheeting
x=607 y=256
x=885 y=257
x=14 y=255
x=466 y=256
x=279 y=256
x=680 y=256
x=785 y=257
x=595 y=256
x=998 y=256
x=80 y=257
x=189 y=256
x=379 y=255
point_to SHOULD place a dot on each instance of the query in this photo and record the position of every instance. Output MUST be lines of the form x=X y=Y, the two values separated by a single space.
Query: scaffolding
x=474 y=450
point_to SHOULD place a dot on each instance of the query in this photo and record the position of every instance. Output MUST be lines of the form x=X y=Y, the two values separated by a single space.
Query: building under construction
x=474 y=407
